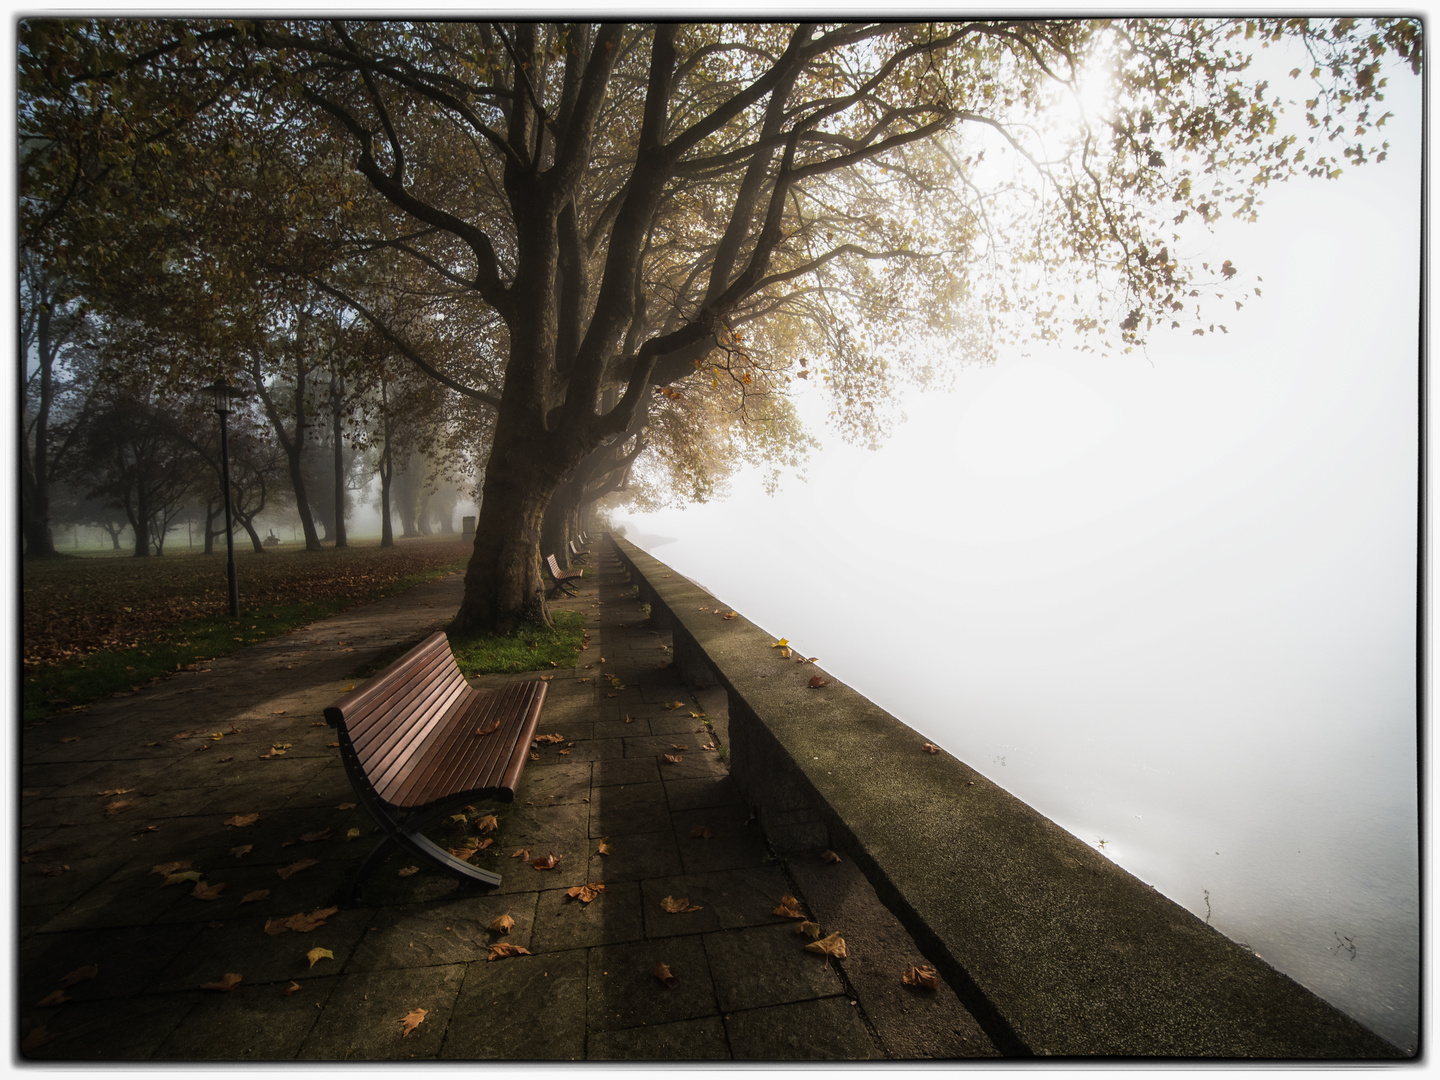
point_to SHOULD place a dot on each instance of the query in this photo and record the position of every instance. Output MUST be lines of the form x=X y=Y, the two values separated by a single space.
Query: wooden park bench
x=562 y=578
x=577 y=552
x=418 y=741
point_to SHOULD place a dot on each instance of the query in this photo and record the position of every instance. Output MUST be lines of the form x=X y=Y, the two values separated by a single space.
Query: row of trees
x=603 y=247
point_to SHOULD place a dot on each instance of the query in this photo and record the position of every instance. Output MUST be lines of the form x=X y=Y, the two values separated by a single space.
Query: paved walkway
x=166 y=774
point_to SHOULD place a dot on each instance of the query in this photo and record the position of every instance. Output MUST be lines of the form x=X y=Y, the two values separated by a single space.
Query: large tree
x=641 y=204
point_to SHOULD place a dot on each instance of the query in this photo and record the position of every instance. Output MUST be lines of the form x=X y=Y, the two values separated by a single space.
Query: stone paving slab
x=231 y=770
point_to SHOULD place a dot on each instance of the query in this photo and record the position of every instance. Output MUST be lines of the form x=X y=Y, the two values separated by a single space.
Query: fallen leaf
x=523 y=853
x=241 y=851
x=463 y=853
x=487 y=823
x=780 y=644
x=486 y=731
x=251 y=897
x=673 y=759
x=79 y=975
x=311 y=837
x=679 y=746
x=202 y=891
x=605 y=848
x=586 y=893
x=678 y=907
x=731 y=614
x=816 y=682
x=351 y=834
x=922 y=976
x=629 y=719
x=502 y=924
x=71 y=738
x=304 y=923
x=145 y=829
x=408 y=871
x=410 y=1021
x=346 y=806
x=115 y=791
x=562 y=752
x=227 y=983
x=789 y=908
x=664 y=974
x=294 y=986
x=317 y=954
x=550 y=738
x=55 y=997
x=785 y=654
x=834 y=945
x=37 y=1038
x=829 y=856
x=701 y=832
x=502 y=949
x=931 y=748
x=120 y=805
x=675 y=705
x=485 y=843
x=182 y=877
x=240 y=820
x=294 y=868
x=809 y=929
x=545 y=862
x=169 y=868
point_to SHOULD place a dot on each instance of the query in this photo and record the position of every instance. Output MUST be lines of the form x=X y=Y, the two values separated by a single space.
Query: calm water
x=1282 y=809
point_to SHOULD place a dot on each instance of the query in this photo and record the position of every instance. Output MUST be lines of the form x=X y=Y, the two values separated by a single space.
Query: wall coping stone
x=1055 y=949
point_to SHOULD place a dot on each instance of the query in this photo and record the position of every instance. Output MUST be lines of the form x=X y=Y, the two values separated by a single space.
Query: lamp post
x=222 y=392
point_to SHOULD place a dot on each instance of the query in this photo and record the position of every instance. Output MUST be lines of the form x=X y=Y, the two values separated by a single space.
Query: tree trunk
x=35 y=470
x=140 y=522
x=336 y=390
x=255 y=541
x=555 y=531
x=387 y=473
x=504 y=583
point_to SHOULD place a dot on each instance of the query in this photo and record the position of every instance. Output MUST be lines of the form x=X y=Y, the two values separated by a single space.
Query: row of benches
x=417 y=741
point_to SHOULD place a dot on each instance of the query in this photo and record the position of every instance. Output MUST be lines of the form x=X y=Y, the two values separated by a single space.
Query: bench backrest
x=555 y=571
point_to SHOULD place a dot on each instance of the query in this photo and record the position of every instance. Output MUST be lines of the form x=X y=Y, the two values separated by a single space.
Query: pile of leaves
x=96 y=625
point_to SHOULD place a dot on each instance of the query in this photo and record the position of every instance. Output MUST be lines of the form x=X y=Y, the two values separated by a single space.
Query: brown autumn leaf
x=673 y=759
x=463 y=853
x=71 y=738
x=829 y=856
x=605 y=848
x=679 y=746
x=486 y=731
x=114 y=791
x=675 y=705
x=701 y=832
x=545 y=862
x=678 y=907
x=79 y=975
x=311 y=837
x=629 y=719
x=37 y=1038
x=182 y=876
x=831 y=946
x=586 y=893
x=317 y=954
x=922 y=976
x=664 y=974
x=534 y=756
x=303 y=922
x=241 y=851
x=522 y=853
x=502 y=949
x=562 y=752
x=225 y=983
x=502 y=924
x=346 y=806
x=809 y=929
x=203 y=891
x=351 y=834
x=275 y=926
x=240 y=820
x=488 y=823
x=120 y=806
x=731 y=614
x=169 y=868
x=408 y=871
x=931 y=748
x=410 y=1021
x=55 y=997
x=294 y=868
x=251 y=897
x=54 y=869
x=294 y=986
x=816 y=682
x=789 y=908
x=550 y=738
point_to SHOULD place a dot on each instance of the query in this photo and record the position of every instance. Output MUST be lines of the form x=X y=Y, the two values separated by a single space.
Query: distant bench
x=562 y=578
x=417 y=741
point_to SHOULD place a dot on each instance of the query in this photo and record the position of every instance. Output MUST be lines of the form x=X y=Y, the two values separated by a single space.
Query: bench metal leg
x=404 y=833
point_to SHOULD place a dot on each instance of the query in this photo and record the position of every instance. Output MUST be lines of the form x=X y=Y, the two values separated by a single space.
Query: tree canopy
x=612 y=233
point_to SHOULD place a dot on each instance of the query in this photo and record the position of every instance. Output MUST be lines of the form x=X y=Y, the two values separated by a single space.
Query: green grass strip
x=531 y=648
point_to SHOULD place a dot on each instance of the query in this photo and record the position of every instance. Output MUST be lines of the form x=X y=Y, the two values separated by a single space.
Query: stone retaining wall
x=1053 y=948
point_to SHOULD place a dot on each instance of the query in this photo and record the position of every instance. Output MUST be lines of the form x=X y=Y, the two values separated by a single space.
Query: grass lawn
x=96 y=625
